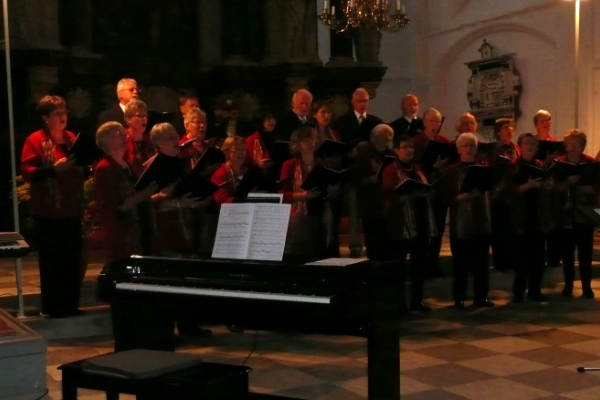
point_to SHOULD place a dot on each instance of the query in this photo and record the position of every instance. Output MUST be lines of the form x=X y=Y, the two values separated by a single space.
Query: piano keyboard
x=9 y=245
x=238 y=294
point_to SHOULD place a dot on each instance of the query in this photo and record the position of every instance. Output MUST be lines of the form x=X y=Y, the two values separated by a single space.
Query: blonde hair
x=539 y=113
x=464 y=138
x=432 y=111
x=381 y=129
x=576 y=134
x=231 y=141
x=160 y=131
x=133 y=106
x=463 y=118
x=104 y=131
x=193 y=113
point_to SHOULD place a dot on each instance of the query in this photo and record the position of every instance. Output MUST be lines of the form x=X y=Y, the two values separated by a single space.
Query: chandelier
x=357 y=13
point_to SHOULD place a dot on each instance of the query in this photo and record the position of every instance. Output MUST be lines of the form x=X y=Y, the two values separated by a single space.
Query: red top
x=53 y=194
x=112 y=185
x=227 y=185
x=251 y=148
x=550 y=138
x=138 y=153
x=330 y=134
x=288 y=173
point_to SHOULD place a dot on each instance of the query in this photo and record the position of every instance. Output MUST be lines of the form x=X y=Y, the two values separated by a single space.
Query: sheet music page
x=233 y=231
x=269 y=230
x=266 y=196
x=337 y=262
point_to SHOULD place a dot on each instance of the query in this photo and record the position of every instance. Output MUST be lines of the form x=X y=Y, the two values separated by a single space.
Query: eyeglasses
x=131 y=90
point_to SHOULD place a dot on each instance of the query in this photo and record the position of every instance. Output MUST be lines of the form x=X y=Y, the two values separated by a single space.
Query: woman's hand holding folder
x=531 y=184
x=307 y=195
x=468 y=196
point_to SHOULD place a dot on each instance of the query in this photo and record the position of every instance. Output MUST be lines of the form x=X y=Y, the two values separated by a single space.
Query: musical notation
x=252 y=231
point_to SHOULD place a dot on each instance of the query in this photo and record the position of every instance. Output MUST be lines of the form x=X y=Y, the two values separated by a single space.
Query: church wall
x=427 y=58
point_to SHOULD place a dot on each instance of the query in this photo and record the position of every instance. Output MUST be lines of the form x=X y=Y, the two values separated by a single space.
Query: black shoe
x=235 y=328
x=567 y=291
x=195 y=332
x=537 y=297
x=517 y=299
x=484 y=303
x=588 y=293
x=420 y=307
x=460 y=304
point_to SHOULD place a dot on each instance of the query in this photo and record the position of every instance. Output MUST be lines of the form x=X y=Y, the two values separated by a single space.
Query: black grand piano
x=147 y=294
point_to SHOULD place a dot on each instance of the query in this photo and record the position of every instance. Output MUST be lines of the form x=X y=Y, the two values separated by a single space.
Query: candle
x=332 y=10
x=398 y=7
x=403 y=9
x=325 y=6
x=378 y=2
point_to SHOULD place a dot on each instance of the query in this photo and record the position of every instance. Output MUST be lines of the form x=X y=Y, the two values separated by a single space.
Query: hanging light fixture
x=357 y=13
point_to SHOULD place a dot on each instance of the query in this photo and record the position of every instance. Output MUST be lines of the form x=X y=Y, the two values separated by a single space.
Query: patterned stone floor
x=513 y=351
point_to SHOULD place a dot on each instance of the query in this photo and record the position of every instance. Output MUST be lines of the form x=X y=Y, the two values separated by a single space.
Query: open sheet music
x=252 y=231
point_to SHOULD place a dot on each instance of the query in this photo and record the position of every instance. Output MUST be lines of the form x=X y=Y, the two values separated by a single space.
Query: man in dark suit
x=127 y=89
x=356 y=125
x=408 y=123
x=298 y=116
x=187 y=101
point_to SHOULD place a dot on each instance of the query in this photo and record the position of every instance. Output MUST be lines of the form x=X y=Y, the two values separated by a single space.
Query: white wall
x=427 y=58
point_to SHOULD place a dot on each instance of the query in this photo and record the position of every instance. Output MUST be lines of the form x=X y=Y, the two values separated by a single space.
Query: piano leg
x=384 y=348
x=138 y=325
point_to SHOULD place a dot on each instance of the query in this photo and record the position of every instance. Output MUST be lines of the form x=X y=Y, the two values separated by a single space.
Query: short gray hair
x=300 y=92
x=464 y=138
x=361 y=90
x=380 y=130
x=160 y=131
x=432 y=111
x=124 y=81
x=193 y=113
x=133 y=106
x=103 y=133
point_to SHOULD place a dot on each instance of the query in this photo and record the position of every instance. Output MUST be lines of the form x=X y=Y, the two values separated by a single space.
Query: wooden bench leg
x=69 y=389
x=112 y=395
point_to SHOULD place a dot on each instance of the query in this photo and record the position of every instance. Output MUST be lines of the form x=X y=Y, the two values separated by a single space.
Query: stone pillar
x=209 y=34
x=273 y=46
x=341 y=51
x=233 y=31
x=367 y=42
x=299 y=31
x=33 y=24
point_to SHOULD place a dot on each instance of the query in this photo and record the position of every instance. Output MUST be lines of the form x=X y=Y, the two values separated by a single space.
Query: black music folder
x=411 y=186
x=209 y=157
x=84 y=150
x=322 y=177
x=478 y=177
x=161 y=169
x=280 y=152
x=435 y=150
x=196 y=185
x=331 y=148
x=528 y=171
x=387 y=160
x=254 y=180
x=589 y=172
x=546 y=147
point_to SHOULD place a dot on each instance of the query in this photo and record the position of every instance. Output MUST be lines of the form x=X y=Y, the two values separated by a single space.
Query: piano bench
x=204 y=381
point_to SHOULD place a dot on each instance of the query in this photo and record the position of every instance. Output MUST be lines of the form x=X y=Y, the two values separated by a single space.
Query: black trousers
x=530 y=262
x=470 y=255
x=581 y=237
x=554 y=247
x=440 y=211
x=333 y=248
x=417 y=248
x=376 y=238
x=59 y=257
x=502 y=238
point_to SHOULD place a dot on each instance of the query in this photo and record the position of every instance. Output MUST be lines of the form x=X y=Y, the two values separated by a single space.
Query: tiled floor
x=513 y=352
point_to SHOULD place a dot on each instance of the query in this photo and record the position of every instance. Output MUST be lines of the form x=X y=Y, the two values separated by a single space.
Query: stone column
x=33 y=24
x=233 y=24
x=209 y=34
x=340 y=43
x=367 y=42
x=272 y=17
x=299 y=31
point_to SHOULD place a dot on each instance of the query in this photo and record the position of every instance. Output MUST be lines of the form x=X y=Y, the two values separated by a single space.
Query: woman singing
x=139 y=145
x=531 y=219
x=577 y=232
x=232 y=171
x=470 y=227
x=322 y=130
x=306 y=224
x=410 y=221
x=55 y=206
x=114 y=194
